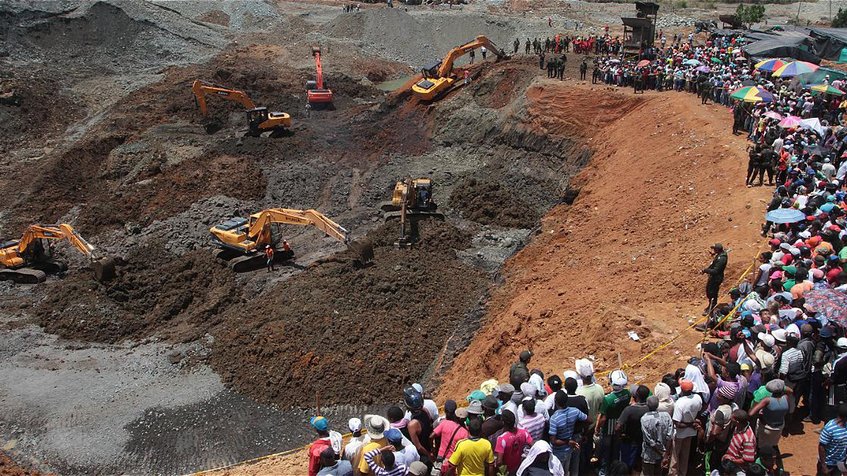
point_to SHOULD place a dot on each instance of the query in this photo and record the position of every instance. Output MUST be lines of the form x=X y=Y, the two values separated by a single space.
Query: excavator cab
x=256 y=116
x=431 y=71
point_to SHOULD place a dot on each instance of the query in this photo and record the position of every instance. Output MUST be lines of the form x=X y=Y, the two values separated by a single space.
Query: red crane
x=316 y=92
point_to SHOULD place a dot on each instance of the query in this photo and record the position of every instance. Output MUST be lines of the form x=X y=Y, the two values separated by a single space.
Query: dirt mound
x=215 y=16
x=340 y=332
x=647 y=232
x=179 y=298
x=9 y=468
x=119 y=36
x=490 y=203
x=34 y=109
x=91 y=174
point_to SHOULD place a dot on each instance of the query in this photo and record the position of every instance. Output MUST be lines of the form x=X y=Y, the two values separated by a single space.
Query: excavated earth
x=148 y=363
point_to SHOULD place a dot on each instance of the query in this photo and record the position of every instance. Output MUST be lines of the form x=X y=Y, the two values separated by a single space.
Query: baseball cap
x=686 y=385
x=354 y=424
x=766 y=339
x=319 y=423
x=418 y=387
x=506 y=388
x=618 y=377
x=393 y=435
x=475 y=408
x=841 y=343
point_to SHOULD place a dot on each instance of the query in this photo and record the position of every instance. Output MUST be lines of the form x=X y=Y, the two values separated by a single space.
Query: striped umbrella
x=795 y=68
x=790 y=122
x=826 y=89
x=751 y=94
x=770 y=65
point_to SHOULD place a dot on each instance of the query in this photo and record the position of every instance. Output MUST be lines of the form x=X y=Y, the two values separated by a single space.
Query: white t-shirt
x=408 y=456
x=765 y=268
x=685 y=411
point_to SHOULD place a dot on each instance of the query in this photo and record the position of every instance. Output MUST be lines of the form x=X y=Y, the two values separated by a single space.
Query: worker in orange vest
x=269 y=254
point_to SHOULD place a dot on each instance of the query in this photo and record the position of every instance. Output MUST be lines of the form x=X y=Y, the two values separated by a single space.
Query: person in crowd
x=656 y=436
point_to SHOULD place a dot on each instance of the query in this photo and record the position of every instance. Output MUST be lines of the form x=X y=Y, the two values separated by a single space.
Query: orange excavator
x=27 y=261
x=438 y=78
x=317 y=91
x=242 y=241
x=259 y=120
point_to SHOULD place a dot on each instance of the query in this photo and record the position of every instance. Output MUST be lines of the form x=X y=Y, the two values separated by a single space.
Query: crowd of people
x=775 y=360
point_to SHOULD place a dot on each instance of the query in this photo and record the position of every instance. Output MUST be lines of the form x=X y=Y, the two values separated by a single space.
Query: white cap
x=766 y=339
x=354 y=424
x=528 y=390
x=841 y=343
x=418 y=387
x=618 y=378
x=584 y=367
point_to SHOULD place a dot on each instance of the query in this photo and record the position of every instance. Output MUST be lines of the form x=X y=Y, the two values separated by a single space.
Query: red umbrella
x=642 y=63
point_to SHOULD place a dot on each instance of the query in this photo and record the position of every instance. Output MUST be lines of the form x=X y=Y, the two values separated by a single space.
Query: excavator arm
x=260 y=224
x=319 y=70
x=54 y=232
x=459 y=51
x=26 y=252
x=200 y=90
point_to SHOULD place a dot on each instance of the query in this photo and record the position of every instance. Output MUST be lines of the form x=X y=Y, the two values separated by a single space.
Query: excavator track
x=413 y=214
x=23 y=275
x=241 y=263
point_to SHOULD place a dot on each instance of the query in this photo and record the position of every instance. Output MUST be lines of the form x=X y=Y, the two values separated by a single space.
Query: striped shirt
x=533 y=424
x=399 y=469
x=834 y=440
x=742 y=447
x=562 y=425
x=789 y=357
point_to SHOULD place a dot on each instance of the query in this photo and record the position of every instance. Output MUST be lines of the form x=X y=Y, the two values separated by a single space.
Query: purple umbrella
x=703 y=69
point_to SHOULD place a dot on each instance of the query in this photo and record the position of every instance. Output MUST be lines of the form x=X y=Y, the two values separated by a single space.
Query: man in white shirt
x=685 y=412
x=357 y=440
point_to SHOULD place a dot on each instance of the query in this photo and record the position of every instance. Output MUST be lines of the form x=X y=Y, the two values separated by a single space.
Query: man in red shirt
x=321 y=425
x=510 y=446
x=742 y=447
x=269 y=255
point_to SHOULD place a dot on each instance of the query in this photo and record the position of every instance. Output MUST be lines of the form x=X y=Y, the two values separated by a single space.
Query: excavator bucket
x=104 y=269
x=363 y=250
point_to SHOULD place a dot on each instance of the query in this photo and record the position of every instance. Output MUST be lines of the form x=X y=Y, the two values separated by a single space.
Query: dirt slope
x=652 y=200
x=663 y=185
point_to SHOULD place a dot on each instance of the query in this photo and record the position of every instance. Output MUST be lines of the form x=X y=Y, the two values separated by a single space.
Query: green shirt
x=788 y=285
x=614 y=403
x=760 y=394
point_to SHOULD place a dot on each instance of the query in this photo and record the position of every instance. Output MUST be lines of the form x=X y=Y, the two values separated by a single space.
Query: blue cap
x=319 y=423
x=393 y=435
x=826 y=332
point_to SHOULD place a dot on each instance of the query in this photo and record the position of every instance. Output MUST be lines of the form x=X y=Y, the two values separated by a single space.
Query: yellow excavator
x=259 y=120
x=241 y=242
x=411 y=201
x=26 y=261
x=438 y=78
